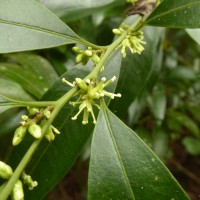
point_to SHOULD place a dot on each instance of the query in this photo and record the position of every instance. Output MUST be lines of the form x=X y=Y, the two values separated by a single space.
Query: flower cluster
x=83 y=56
x=17 y=192
x=33 y=124
x=90 y=91
x=133 y=40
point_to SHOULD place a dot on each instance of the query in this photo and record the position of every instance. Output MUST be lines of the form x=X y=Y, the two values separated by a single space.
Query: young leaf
x=123 y=167
x=176 y=14
x=58 y=157
x=27 y=25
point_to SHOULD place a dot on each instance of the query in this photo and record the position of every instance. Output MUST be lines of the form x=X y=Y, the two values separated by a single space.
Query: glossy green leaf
x=27 y=25
x=32 y=72
x=176 y=14
x=194 y=34
x=71 y=10
x=137 y=70
x=123 y=167
x=58 y=156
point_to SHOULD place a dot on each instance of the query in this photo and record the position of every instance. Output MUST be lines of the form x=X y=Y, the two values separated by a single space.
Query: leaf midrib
x=171 y=11
x=35 y=28
x=118 y=153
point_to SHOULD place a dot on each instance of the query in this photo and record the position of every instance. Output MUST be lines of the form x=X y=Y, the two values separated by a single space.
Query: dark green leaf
x=27 y=25
x=176 y=14
x=32 y=72
x=123 y=167
x=137 y=70
x=195 y=111
x=58 y=157
x=185 y=121
x=192 y=145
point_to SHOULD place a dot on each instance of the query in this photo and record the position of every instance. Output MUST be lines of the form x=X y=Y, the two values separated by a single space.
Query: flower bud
x=29 y=181
x=25 y=117
x=88 y=53
x=5 y=170
x=19 y=135
x=35 y=130
x=76 y=49
x=33 y=111
x=79 y=58
x=95 y=59
x=18 y=193
x=49 y=135
x=47 y=114
x=81 y=83
x=116 y=31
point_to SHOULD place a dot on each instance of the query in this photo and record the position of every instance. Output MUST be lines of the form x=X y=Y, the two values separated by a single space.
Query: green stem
x=27 y=157
x=111 y=48
x=88 y=44
x=30 y=104
x=58 y=105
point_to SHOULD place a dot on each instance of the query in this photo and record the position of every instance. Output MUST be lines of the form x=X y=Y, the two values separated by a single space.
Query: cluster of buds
x=90 y=91
x=33 y=124
x=83 y=56
x=133 y=40
x=17 y=192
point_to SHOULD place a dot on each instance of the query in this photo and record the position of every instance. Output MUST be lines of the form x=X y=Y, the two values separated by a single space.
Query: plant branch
x=58 y=106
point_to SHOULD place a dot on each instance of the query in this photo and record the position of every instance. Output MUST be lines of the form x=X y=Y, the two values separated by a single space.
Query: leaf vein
x=40 y=30
x=171 y=11
x=118 y=153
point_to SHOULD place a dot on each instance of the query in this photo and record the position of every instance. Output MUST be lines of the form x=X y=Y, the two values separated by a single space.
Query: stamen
x=67 y=82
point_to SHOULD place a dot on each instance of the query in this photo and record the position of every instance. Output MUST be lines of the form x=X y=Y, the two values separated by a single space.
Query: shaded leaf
x=32 y=72
x=176 y=14
x=192 y=145
x=13 y=90
x=31 y=26
x=195 y=111
x=185 y=121
x=158 y=102
x=123 y=167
